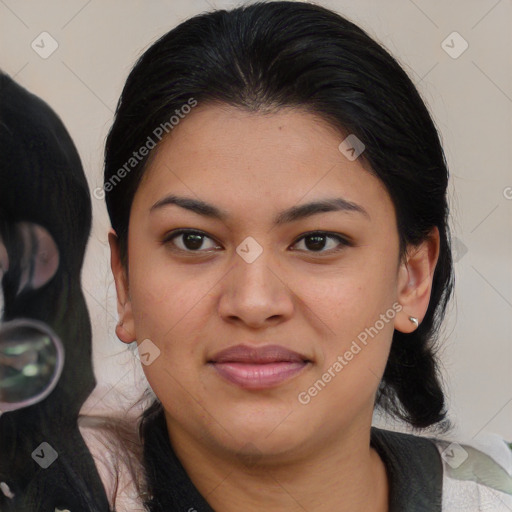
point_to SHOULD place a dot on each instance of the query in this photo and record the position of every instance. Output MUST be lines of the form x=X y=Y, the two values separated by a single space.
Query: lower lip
x=259 y=376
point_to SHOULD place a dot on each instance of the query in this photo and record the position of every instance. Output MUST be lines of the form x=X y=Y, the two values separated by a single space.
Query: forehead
x=256 y=161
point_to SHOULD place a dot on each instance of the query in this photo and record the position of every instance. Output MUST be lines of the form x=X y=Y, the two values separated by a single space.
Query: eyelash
x=175 y=234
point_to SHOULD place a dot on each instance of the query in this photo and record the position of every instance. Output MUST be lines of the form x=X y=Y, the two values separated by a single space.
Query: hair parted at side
x=271 y=55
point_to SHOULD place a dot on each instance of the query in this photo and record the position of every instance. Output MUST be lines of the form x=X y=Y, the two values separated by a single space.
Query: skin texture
x=263 y=448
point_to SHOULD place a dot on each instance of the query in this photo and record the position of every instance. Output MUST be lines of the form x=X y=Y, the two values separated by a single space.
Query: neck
x=343 y=474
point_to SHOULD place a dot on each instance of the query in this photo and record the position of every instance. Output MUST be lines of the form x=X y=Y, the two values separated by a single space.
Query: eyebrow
x=335 y=204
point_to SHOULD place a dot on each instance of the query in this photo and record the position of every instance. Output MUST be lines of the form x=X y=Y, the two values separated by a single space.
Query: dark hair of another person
x=42 y=181
x=268 y=56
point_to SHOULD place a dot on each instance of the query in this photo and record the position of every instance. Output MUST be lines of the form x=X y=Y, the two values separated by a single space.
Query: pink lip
x=258 y=367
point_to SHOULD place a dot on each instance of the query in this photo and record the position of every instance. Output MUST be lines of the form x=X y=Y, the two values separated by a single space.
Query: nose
x=256 y=294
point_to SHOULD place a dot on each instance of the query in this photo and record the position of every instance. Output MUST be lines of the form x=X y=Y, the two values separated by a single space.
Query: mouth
x=258 y=367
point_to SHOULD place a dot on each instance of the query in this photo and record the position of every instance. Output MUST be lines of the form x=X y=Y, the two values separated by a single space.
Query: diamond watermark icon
x=454 y=455
x=454 y=45
x=45 y=455
x=147 y=352
x=44 y=45
x=459 y=249
x=351 y=147
x=249 y=250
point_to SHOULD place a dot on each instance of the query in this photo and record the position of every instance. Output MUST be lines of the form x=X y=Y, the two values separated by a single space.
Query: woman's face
x=269 y=330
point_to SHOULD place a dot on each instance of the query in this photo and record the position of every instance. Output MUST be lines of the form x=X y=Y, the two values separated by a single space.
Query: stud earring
x=414 y=320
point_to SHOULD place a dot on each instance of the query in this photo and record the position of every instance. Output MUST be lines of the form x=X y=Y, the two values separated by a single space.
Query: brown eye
x=189 y=241
x=320 y=240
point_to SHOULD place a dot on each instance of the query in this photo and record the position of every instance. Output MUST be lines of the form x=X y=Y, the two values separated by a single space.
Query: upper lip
x=263 y=354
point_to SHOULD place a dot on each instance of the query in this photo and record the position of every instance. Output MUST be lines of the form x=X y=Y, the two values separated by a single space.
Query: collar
x=415 y=470
x=413 y=465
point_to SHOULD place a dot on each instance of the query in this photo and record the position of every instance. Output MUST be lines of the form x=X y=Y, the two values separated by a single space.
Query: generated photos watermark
x=152 y=140
x=305 y=397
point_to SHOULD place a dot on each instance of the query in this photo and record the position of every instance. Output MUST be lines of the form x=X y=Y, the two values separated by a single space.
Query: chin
x=261 y=450
x=260 y=433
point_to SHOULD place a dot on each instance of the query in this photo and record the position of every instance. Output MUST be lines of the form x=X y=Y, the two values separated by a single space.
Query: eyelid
x=343 y=240
x=181 y=231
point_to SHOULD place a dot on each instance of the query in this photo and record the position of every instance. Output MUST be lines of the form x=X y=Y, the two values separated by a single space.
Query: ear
x=125 y=329
x=415 y=281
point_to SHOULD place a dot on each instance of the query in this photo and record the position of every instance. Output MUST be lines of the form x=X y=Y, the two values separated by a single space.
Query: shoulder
x=476 y=473
x=117 y=452
x=448 y=475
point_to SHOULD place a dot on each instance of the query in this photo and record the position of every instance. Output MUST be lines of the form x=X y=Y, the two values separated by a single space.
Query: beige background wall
x=470 y=97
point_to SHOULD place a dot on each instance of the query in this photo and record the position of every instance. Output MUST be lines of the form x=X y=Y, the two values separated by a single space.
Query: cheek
x=171 y=307
x=351 y=297
x=356 y=305
x=353 y=356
